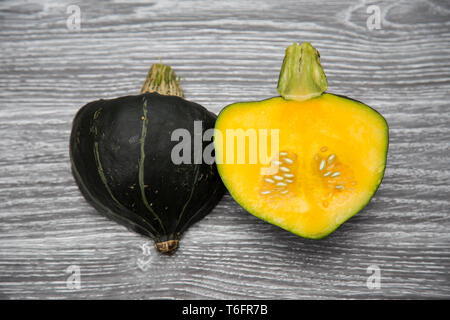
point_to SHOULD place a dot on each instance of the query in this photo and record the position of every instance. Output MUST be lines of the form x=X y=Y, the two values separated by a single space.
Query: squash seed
x=336 y=174
x=322 y=165
x=331 y=158
x=277 y=162
x=278 y=178
x=269 y=180
x=288 y=175
x=284 y=169
x=265 y=192
x=287 y=160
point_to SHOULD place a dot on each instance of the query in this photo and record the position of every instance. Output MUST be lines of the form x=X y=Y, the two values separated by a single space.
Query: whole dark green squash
x=120 y=151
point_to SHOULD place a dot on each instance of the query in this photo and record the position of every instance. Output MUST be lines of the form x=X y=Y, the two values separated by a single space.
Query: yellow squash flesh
x=333 y=151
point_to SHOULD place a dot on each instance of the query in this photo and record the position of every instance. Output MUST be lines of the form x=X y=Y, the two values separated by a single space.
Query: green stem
x=161 y=79
x=301 y=75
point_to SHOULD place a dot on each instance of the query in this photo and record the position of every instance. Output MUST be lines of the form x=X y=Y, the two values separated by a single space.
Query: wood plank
x=225 y=52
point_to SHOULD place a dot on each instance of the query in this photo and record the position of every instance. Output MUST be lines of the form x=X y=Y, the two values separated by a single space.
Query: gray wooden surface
x=225 y=51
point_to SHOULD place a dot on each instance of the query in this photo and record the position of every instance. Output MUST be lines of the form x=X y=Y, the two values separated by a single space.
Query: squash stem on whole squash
x=161 y=79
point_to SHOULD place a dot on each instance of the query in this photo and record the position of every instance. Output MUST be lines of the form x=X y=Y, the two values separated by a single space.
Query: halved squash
x=329 y=160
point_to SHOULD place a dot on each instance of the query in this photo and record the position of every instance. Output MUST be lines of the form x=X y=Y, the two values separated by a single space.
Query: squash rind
x=120 y=151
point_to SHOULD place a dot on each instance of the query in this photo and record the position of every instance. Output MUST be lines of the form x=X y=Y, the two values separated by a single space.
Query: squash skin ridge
x=133 y=225
x=142 y=164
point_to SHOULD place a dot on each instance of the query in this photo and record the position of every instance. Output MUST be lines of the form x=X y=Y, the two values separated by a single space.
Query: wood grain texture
x=225 y=51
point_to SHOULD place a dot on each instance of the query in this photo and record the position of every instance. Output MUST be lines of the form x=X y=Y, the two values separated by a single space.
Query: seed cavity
x=322 y=165
x=280 y=182
x=336 y=174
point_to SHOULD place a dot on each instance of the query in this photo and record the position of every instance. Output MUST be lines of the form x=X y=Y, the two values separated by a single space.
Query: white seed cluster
x=327 y=165
x=280 y=181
